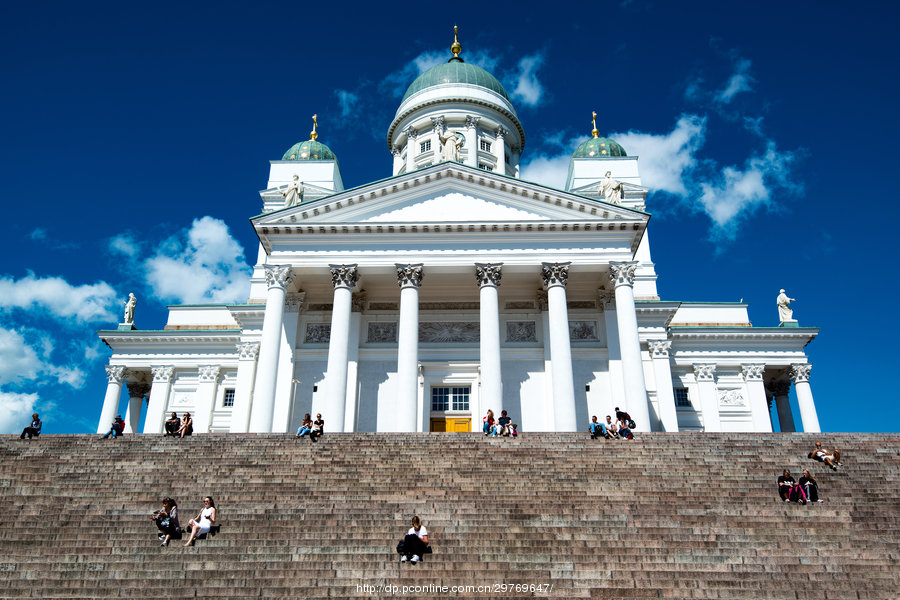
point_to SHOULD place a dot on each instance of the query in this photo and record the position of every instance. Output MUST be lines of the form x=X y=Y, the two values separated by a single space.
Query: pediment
x=448 y=194
x=594 y=189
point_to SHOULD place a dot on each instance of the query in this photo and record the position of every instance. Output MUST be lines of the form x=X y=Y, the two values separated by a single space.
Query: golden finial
x=594 y=132
x=456 y=48
x=313 y=135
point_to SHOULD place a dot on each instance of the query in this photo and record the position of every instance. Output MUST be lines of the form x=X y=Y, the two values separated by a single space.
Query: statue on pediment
x=612 y=189
x=129 y=309
x=784 y=307
x=451 y=142
x=293 y=195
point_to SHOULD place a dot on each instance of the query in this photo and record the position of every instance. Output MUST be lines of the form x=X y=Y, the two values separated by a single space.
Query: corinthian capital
x=344 y=276
x=410 y=275
x=278 y=276
x=659 y=348
x=488 y=274
x=472 y=121
x=294 y=302
x=555 y=274
x=779 y=387
x=705 y=372
x=622 y=273
x=753 y=372
x=800 y=372
x=116 y=374
x=248 y=350
x=437 y=123
x=209 y=372
x=411 y=133
x=502 y=132
x=606 y=297
x=138 y=389
x=162 y=374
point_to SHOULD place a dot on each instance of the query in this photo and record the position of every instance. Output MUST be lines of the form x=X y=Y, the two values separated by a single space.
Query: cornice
x=741 y=333
x=165 y=336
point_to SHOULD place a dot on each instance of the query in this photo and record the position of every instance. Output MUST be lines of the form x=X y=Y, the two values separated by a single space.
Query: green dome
x=455 y=71
x=599 y=147
x=309 y=150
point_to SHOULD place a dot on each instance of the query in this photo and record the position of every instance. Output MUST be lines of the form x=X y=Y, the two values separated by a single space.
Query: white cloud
x=124 y=244
x=18 y=360
x=737 y=192
x=61 y=299
x=208 y=266
x=739 y=82
x=17 y=411
x=547 y=170
x=527 y=89
x=347 y=101
x=38 y=234
x=396 y=83
x=667 y=160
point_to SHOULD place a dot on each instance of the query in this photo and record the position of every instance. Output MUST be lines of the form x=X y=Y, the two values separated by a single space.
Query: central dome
x=456 y=71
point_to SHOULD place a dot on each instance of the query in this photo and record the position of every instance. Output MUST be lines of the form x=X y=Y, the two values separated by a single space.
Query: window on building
x=228 y=398
x=425 y=146
x=485 y=146
x=450 y=398
x=485 y=167
x=681 y=398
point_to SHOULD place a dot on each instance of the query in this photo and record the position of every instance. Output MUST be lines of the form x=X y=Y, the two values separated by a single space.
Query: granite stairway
x=684 y=515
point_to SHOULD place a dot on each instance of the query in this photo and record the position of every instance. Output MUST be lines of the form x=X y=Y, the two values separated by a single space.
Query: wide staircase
x=686 y=515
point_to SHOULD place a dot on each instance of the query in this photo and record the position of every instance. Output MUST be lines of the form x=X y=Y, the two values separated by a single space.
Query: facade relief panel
x=521 y=331
x=382 y=333
x=450 y=331
x=317 y=333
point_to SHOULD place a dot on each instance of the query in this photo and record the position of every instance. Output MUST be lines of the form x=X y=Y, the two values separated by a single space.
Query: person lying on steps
x=832 y=459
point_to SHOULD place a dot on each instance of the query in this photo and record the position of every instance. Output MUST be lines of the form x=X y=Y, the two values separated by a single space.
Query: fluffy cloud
x=58 y=297
x=739 y=81
x=207 y=266
x=526 y=88
x=667 y=160
x=547 y=170
x=124 y=244
x=17 y=411
x=19 y=361
x=347 y=101
x=396 y=83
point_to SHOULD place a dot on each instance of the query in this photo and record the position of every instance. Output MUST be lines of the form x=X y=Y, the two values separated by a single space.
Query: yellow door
x=452 y=424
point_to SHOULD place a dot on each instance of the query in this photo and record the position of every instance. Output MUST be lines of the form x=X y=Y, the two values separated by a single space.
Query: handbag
x=631 y=424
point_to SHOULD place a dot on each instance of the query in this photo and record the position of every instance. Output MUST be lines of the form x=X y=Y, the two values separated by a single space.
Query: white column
x=500 y=150
x=344 y=278
x=412 y=148
x=709 y=399
x=621 y=274
x=800 y=375
x=136 y=393
x=547 y=420
x=472 y=141
x=278 y=277
x=662 y=369
x=555 y=277
x=205 y=401
x=115 y=376
x=781 y=389
x=398 y=161
x=756 y=392
x=409 y=277
x=488 y=278
x=616 y=380
x=243 y=392
x=352 y=399
x=159 y=395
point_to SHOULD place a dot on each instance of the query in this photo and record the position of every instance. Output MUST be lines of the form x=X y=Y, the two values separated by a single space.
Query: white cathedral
x=420 y=301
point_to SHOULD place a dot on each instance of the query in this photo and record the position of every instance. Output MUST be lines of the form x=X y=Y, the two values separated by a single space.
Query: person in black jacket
x=810 y=486
x=32 y=430
x=785 y=483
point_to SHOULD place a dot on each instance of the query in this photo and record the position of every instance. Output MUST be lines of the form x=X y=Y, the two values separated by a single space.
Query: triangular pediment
x=448 y=193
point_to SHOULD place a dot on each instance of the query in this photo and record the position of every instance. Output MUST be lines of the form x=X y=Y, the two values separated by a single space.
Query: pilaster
x=756 y=392
x=709 y=401
x=159 y=397
x=662 y=370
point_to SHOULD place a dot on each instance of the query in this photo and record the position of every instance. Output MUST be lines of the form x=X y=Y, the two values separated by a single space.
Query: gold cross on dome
x=312 y=134
x=594 y=131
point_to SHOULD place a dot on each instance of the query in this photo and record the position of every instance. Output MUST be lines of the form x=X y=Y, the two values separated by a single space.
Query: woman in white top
x=415 y=544
x=203 y=522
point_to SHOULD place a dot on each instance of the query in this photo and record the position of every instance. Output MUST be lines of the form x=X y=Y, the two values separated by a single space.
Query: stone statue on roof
x=784 y=307
x=612 y=189
x=129 y=309
x=294 y=193
x=451 y=142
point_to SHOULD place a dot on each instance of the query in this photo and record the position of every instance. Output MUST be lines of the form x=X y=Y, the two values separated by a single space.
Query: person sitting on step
x=173 y=424
x=832 y=459
x=187 y=426
x=598 y=429
x=503 y=424
x=790 y=490
x=32 y=430
x=611 y=428
x=514 y=430
x=809 y=485
x=204 y=521
x=305 y=426
x=624 y=431
x=167 y=521
x=318 y=428
x=415 y=544
x=488 y=421
x=117 y=429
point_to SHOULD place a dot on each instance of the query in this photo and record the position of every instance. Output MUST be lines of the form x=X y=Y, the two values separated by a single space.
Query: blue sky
x=135 y=139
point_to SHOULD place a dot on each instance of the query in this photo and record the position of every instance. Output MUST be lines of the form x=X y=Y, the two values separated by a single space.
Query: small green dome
x=309 y=150
x=599 y=147
x=455 y=71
